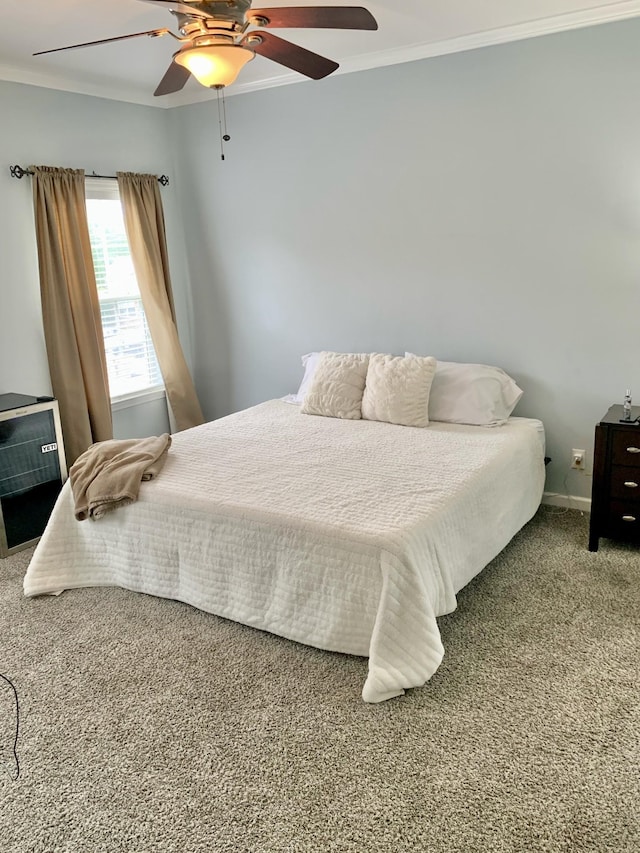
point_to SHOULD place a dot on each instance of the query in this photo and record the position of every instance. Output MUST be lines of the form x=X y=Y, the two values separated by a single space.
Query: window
x=131 y=359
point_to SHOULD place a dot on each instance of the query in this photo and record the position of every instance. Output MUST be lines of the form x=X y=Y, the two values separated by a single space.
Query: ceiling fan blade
x=291 y=55
x=174 y=79
x=183 y=8
x=152 y=33
x=332 y=17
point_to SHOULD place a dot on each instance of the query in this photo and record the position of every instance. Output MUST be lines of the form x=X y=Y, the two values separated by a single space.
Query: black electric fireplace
x=32 y=468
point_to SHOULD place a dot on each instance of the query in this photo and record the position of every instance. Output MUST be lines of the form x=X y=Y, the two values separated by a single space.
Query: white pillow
x=460 y=393
x=472 y=394
x=309 y=363
x=337 y=386
x=397 y=389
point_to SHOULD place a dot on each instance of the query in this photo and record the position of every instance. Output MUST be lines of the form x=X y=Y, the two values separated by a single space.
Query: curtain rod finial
x=19 y=172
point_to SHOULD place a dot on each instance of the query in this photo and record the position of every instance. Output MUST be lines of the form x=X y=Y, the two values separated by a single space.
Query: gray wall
x=483 y=206
x=58 y=129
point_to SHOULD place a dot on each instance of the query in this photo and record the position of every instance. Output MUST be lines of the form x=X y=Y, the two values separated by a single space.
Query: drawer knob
x=628 y=518
x=631 y=485
x=633 y=449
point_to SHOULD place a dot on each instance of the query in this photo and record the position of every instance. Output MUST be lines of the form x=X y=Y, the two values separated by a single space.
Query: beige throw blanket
x=109 y=473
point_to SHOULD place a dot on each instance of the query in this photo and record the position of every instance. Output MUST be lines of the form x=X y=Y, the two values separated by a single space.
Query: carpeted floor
x=149 y=726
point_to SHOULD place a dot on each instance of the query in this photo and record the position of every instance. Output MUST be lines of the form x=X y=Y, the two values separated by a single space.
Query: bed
x=348 y=535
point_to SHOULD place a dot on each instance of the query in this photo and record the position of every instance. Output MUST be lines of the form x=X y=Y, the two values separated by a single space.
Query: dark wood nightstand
x=615 y=494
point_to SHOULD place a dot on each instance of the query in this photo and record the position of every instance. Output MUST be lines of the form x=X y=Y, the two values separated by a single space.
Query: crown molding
x=608 y=13
x=61 y=83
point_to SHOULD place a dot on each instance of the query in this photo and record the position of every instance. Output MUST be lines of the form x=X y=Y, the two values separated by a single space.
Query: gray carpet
x=149 y=726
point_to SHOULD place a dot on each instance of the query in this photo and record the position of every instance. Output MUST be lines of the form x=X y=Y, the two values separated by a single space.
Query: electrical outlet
x=577 y=459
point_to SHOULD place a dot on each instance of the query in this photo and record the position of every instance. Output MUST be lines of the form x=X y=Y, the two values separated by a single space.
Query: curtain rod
x=19 y=172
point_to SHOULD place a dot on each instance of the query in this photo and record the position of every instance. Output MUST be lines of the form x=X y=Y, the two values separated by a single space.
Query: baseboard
x=567 y=501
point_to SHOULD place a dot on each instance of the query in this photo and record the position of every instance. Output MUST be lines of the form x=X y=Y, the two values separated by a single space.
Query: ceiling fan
x=218 y=38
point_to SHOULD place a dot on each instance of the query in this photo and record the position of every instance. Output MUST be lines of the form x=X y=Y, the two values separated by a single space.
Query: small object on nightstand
x=626 y=408
x=615 y=495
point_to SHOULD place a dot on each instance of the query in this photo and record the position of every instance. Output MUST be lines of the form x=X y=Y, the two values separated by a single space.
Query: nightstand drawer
x=626 y=447
x=624 y=520
x=625 y=483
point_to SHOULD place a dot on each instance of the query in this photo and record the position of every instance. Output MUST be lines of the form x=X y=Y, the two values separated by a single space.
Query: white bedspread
x=351 y=536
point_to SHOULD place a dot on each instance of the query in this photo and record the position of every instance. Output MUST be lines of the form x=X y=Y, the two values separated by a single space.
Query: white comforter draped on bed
x=351 y=536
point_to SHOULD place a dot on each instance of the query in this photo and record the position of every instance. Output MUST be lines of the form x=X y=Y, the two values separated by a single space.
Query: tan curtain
x=144 y=221
x=70 y=309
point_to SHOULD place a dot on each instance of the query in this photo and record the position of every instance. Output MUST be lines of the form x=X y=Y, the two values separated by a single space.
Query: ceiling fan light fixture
x=215 y=65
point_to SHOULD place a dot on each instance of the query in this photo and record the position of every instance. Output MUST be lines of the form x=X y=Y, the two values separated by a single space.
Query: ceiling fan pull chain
x=226 y=136
x=218 y=88
x=222 y=120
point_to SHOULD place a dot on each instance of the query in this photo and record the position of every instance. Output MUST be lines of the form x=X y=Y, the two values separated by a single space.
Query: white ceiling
x=130 y=70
